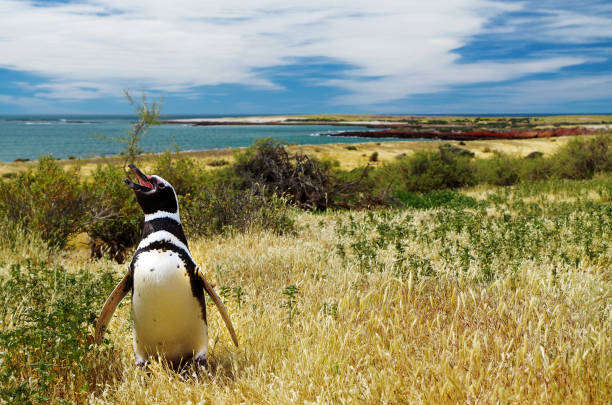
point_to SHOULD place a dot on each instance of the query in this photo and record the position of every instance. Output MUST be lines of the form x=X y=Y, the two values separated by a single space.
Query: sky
x=315 y=56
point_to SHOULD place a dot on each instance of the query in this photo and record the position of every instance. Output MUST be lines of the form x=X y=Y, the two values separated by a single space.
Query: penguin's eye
x=161 y=185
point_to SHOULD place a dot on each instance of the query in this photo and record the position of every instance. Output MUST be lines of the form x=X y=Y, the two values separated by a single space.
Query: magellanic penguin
x=168 y=304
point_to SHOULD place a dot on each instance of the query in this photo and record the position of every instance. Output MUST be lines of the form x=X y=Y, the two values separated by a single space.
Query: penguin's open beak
x=143 y=185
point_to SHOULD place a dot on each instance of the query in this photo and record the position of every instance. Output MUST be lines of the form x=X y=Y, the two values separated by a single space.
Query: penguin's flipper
x=124 y=286
x=213 y=294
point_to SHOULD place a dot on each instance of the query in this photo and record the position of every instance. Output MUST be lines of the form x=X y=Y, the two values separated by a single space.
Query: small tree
x=148 y=115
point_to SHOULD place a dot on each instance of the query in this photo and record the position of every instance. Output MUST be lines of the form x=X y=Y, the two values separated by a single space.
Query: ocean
x=29 y=137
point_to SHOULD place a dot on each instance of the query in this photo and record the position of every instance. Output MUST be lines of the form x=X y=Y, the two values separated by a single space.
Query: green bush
x=47 y=200
x=500 y=170
x=218 y=163
x=357 y=188
x=45 y=318
x=537 y=168
x=116 y=219
x=182 y=172
x=428 y=171
x=581 y=159
x=215 y=211
x=435 y=199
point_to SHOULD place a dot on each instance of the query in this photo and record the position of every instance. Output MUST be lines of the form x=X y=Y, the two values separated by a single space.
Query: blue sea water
x=79 y=136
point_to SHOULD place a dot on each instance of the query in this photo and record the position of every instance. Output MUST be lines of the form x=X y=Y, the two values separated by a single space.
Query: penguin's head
x=153 y=193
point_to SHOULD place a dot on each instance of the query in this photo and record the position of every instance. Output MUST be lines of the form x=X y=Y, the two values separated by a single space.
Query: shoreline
x=417 y=130
x=348 y=155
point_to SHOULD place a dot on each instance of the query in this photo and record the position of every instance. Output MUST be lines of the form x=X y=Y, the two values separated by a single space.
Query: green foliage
x=500 y=170
x=218 y=163
x=45 y=317
x=290 y=292
x=435 y=199
x=148 y=116
x=182 y=172
x=427 y=171
x=223 y=209
x=485 y=246
x=47 y=200
x=116 y=221
x=581 y=159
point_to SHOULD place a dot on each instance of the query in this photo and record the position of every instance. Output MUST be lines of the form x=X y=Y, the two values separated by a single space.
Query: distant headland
x=460 y=128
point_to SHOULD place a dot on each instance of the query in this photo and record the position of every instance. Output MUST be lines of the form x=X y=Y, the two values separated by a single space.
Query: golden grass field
x=541 y=333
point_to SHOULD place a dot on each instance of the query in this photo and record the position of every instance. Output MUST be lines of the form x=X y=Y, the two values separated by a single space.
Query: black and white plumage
x=168 y=303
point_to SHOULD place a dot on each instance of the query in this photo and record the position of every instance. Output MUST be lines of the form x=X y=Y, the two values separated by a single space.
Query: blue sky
x=316 y=56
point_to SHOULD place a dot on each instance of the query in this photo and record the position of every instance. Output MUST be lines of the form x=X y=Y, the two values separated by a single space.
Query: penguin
x=167 y=286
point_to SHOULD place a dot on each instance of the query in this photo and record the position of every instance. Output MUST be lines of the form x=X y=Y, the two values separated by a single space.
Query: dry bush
x=303 y=179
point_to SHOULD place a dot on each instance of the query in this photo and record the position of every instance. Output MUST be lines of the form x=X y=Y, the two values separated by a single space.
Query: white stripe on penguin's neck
x=160 y=236
x=163 y=214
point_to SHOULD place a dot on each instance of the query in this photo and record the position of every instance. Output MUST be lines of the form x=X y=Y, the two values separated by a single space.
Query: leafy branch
x=148 y=115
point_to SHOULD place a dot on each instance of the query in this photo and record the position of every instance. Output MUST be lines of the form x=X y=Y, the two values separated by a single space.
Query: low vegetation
x=45 y=314
x=436 y=277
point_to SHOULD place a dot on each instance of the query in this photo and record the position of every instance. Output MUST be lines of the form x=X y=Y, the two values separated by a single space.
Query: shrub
x=374 y=157
x=182 y=172
x=218 y=162
x=435 y=199
x=148 y=116
x=116 y=221
x=357 y=188
x=500 y=170
x=537 y=168
x=47 y=200
x=45 y=314
x=303 y=180
x=427 y=171
x=580 y=159
x=215 y=211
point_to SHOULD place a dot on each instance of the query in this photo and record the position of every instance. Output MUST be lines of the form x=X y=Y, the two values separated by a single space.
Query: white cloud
x=559 y=25
x=537 y=96
x=393 y=48
x=556 y=92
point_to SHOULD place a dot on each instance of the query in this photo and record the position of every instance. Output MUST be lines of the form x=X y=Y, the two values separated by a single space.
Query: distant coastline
x=73 y=136
x=463 y=128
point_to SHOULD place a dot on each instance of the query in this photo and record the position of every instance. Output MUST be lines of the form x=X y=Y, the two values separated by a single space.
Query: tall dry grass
x=374 y=338
x=538 y=333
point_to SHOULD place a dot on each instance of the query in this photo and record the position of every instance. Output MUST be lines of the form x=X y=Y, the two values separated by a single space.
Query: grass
x=503 y=295
x=482 y=294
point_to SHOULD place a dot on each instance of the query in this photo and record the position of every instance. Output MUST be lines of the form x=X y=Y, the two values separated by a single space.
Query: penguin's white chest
x=168 y=319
